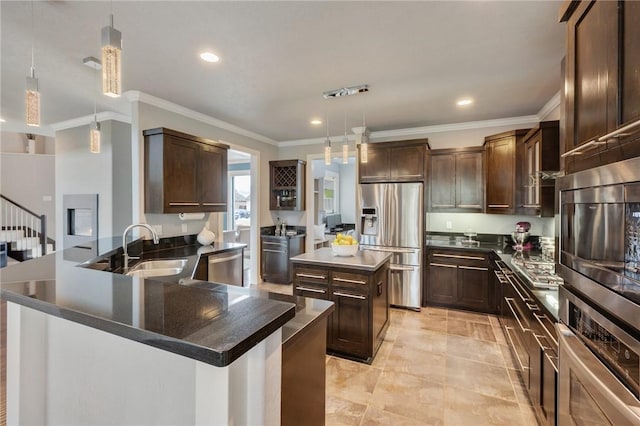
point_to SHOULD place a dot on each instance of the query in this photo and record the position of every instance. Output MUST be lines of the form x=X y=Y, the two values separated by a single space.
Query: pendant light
x=111 y=60
x=345 y=144
x=94 y=129
x=32 y=93
x=327 y=147
x=364 y=144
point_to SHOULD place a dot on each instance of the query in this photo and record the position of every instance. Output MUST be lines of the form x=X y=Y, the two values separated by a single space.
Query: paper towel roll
x=191 y=216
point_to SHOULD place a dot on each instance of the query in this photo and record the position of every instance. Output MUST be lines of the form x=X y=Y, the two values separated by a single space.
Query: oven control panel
x=621 y=359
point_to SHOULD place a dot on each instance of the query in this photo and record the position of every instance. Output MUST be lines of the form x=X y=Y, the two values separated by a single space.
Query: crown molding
x=138 y=96
x=315 y=141
x=88 y=119
x=14 y=127
x=551 y=104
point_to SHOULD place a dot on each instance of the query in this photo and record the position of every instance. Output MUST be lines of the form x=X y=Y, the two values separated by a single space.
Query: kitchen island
x=85 y=346
x=358 y=285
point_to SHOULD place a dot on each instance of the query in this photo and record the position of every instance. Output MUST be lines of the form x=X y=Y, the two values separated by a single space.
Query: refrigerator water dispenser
x=369 y=221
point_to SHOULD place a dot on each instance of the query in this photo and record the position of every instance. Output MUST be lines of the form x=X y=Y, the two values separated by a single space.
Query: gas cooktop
x=537 y=270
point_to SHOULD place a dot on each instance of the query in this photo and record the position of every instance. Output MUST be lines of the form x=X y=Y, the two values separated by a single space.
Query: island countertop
x=363 y=260
x=214 y=325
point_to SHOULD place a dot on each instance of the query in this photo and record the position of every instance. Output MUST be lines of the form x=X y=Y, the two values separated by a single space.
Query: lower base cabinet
x=459 y=279
x=275 y=252
x=359 y=322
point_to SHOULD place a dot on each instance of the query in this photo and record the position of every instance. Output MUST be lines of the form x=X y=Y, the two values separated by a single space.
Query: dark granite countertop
x=215 y=325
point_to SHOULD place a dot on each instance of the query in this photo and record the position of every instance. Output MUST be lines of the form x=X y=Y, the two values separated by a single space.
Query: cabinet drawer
x=311 y=275
x=313 y=290
x=354 y=282
x=461 y=258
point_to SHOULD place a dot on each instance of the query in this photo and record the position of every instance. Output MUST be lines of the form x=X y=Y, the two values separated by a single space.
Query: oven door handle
x=592 y=372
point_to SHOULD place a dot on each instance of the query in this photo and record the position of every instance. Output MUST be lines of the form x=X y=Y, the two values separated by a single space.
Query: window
x=240 y=200
x=330 y=192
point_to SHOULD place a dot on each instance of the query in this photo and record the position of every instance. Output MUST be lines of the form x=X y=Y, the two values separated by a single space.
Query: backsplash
x=487 y=223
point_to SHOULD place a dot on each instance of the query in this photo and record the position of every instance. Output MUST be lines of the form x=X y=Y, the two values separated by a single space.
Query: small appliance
x=520 y=235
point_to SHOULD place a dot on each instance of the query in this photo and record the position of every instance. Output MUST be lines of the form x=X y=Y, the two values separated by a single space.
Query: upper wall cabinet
x=537 y=163
x=456 y=180
x=500 y=171
x=400 y=161
x=601 y=87
x=287 y=178
x=183 y=173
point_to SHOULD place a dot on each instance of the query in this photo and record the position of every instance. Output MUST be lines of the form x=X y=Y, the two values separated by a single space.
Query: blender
x=520 y=235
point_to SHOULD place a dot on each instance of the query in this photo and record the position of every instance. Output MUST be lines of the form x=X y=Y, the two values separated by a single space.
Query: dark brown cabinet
x=183 y=173
x=538 y=160
x=601 y=87
x=500 y=181
x=361 y=316
x=287 y=178
x=460 y=279
x=401 y=161
x=456 y=180
x=275 y=252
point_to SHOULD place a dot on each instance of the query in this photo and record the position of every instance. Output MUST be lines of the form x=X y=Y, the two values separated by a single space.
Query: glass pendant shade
x=94 y=138
x=364 y=150
x=345 y=152
x=32 y=101
x=327 y=152
x=111 y=61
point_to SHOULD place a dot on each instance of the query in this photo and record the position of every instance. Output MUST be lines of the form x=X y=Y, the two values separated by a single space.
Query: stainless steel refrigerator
x=391 y=220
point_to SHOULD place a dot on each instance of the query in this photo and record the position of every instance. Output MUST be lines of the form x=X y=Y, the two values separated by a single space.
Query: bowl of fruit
x=344 y=245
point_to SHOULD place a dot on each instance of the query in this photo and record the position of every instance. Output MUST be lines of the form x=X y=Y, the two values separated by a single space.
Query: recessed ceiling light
x=209 y=57
x=464 y=102
x=316 y=122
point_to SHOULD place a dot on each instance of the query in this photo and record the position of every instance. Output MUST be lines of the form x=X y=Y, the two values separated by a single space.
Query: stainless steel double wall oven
x=599 y=259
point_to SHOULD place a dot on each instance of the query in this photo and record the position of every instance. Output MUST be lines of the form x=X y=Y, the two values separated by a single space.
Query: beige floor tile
x=396 y=316
x=508 y=357
x=350 y=380
x=475 y=350
x=528 y=415
x=468 y=316
x=432 y=311
x=426 y=365
x=410 y=396
x=470 y=329
x=522 y=395
x=479 y=377
x=418 y=321
x=383 y=353
x=494 y=320
x=376 y=417
x=392 y=333
x=463 y=407
x=425 y=340
x=499 y=333
x=342 y=412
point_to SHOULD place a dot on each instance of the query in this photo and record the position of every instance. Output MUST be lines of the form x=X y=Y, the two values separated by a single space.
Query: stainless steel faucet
x=124 y=241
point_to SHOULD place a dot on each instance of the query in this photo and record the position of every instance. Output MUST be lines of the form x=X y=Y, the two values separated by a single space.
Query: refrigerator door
x=405 y=283
x=403 y=219
x=372 y=197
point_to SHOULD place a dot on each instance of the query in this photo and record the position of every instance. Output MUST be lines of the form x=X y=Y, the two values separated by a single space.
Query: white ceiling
x=278 y=57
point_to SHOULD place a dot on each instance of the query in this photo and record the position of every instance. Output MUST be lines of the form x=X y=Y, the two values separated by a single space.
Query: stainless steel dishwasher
x=227 y=268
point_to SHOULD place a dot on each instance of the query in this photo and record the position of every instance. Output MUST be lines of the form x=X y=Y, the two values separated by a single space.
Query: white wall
x=17 y=143
x=487 y=223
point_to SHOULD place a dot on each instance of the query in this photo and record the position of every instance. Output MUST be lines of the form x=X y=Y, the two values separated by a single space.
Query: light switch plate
x=448 y=224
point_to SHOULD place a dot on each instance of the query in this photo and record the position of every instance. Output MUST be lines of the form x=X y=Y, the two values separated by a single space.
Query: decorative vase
x=206 y=237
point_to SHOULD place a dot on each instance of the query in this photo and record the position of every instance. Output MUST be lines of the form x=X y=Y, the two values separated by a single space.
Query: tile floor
x=435 y=367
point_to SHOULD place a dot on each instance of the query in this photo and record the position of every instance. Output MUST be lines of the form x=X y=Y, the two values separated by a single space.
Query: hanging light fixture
x=32 y=93
x=364 y=143
x=327 y=147
x=111 y=60
x=345 y=144
x=94 y=129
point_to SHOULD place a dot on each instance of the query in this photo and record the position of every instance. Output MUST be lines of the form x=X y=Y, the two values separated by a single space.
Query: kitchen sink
x=157 y=268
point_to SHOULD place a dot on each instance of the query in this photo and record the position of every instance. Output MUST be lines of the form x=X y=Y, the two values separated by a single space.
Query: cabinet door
x=501 y=176
x=443 y=181
x=376 y=169
x=443 y=279
x=349 y=323
x=407 y=163
x=181 y=192
x=631 y=62
x=473 y=288
x=469 y=189
x=549 y=386
x=530 y=182
x=212 y=173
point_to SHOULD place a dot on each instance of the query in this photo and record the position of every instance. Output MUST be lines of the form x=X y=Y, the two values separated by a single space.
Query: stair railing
x=19 y=219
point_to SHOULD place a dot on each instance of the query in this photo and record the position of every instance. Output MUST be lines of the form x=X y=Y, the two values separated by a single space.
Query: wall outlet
x=184 y=227
x=158 y=229
x=448 y=224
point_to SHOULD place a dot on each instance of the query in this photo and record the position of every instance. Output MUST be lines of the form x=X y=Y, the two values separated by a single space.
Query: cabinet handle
x=389 y=250
x=184 y=204
x=408 y=176
x=475 y=268
x=344 y=280
x=214 y=204
x=401 y=268
x=584 y=147
x=312 y=290
x=514 y=350
x=499 y=206
x=539 y=318
x=500 y=277
x=524 y=299
x=469 y=206
x=379 y=288
x=620 y=132
x=507 y=299
x=444 y=265
x=543 y=347
x=553 y=360
x=443 y=205
x=214 y=259
x=351 y=296
x=273 y=244
x=458 y=256
x=529 y=206
x=532 y=307
x=316 y=277
x=273 y=251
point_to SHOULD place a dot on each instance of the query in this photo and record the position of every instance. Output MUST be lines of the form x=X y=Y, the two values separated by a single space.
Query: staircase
x=24 y=232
